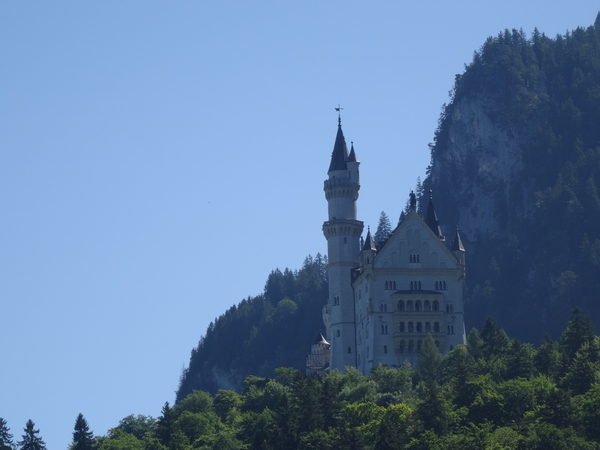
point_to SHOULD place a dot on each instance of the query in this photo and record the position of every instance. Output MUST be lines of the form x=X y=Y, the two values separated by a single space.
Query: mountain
x=516 y=164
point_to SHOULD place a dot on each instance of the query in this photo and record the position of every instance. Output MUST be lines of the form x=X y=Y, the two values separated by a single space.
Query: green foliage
x=261 y=333
x=6 y=439
x=31 y=440
x=83 y=438
x=384 y=229
x=137 y=425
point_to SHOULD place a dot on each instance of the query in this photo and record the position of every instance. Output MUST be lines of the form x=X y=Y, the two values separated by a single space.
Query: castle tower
x=342 y=232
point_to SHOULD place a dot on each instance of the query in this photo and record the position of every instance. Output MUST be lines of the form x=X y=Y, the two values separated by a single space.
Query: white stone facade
x=383 y=301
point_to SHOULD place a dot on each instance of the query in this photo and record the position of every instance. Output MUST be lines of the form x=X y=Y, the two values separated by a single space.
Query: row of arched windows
x=417 y=306
x=415 y=286
x=384 y=329
x=414 y=258
x=336 y=300
x=409 y=346
x=411 y=328
x=390 y=285
x=382 y=307
x=441 y=286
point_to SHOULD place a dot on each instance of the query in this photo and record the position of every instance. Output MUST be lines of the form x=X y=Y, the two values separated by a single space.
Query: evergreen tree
x=495 y=340
x=31 y=440
x=83 y=438
x=579 y=331
x=6 y=439
x=165 y=427
x=429 y=360
x=384 y=229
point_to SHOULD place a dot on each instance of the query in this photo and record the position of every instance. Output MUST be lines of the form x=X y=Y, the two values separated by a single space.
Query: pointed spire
x=352 y=156
x=321 y=340
x=431 y=217
x=457 y=245
x=369 y=244
x=339 y=156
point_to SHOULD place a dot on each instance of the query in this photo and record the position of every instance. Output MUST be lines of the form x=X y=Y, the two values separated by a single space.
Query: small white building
x=383 y=301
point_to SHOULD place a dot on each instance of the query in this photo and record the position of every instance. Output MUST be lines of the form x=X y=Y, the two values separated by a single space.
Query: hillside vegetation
x=516 y=165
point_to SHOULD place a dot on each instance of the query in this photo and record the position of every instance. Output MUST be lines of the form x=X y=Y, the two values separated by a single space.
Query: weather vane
x=338 y=109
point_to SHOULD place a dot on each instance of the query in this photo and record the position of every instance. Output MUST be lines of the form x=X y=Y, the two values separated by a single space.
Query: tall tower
x=342 y=232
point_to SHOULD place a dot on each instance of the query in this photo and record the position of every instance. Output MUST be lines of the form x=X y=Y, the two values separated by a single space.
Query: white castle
x=383 y=301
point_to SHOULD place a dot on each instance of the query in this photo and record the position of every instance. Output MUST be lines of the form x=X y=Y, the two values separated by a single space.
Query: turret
x=431 y=218
x=458 y=250
x=369 y=250
x=342 y=232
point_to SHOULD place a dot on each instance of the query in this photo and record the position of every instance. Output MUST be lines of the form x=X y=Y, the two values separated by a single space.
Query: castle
x=384 y=300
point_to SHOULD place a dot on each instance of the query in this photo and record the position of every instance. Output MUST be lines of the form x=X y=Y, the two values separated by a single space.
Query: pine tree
x=31 y=440
x=83 y=438
x=6 y=439
x=384 y=229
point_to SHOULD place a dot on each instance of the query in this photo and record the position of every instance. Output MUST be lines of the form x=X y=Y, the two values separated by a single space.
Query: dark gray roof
x=457 y=244
x=352 y=156
x=339 y=156
x=369 y=244
x=431 y=218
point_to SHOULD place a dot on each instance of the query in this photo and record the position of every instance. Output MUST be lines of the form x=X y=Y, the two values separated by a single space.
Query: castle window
x=436 y=327
x=411 y=346
x=385 y=349
x=414 y=258
x=409 y=305
x=410 y=327
x=401 y=327
x=417 y=305
x=401 y=305
x=337 y=333
x=401 y=349
x=436 y=286
x=419 y=343
x=419 y=327
x=427 y=306
x=451 y=329
x=419 y=285
x=345 y=241
x=385 y=307
x=381 y=307
x=451 y=347
x=448 y=329
x=444 y=287
x=436 y=305
x=349 y=350
x=427 y=327
x=384 y=329
x=386 y=285
x=395 y=286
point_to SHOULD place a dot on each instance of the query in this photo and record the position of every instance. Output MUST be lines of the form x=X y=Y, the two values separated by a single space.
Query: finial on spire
x=338 y=109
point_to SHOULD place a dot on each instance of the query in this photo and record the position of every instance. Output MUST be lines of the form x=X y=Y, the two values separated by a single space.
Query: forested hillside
x=261 y=333
x=516 y=165
x=494 y=393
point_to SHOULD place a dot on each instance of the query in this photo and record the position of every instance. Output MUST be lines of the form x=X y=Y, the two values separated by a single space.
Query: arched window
x=436 y=327
x=419 y=285
x=401 y=327
x=411 y=346
x=445 y=287
x=349 y=349
x=419 y=327
x=385 y=307
x=409 y=305
x=451 y=329
x=412 y=287
x=385 y=349
x=395 y=286
x=417 y=305
x=410 y=327
x=381 y=307
x=337 y=333
x=345 y=241
x=436 y=286
x=436 y=305
x=401 y=305
x=447 y=308
x=448 y=329
x=386 y=285
x=427 y=327
x=426 y=306
x=451 y=347
x=382 y=329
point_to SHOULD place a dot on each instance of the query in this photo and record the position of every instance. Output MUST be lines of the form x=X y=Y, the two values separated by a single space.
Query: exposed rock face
x=477 y=177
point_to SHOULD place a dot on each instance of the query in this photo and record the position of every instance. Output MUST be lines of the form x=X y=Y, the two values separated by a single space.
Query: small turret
x=432 y=220
x=369 y=250
x=457 y=248
x=353 y=164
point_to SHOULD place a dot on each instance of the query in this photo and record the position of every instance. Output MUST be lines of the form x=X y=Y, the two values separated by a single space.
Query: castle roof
x=369 y=244
x=339 y=156
x=431 y=217
x=457 y=244
x=352 y=156
x=321 y=340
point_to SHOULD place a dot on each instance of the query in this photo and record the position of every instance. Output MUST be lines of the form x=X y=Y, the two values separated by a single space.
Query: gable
x=414 y=245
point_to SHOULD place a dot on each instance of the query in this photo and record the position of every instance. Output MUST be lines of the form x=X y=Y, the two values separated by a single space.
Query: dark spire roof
x=339 y=156
x=352 y=157
x=369 y=244
x=457 y=244
x=431 y=217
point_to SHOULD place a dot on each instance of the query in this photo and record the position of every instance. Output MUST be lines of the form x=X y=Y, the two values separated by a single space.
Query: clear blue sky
x=159 y=159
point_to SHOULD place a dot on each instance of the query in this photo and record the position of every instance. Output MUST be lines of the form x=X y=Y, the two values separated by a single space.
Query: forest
x=494 y=393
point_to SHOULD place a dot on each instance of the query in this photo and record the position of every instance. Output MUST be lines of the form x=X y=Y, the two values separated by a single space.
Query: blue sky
x=159 y=159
